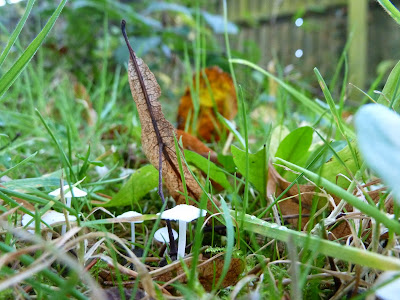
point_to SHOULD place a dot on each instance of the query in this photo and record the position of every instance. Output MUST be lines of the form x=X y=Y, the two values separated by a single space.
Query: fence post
x=358 y=32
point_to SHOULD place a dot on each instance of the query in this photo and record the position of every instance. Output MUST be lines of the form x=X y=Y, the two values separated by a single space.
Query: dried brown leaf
x=158 y=132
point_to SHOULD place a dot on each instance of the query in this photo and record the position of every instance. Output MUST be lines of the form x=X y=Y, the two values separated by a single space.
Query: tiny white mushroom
x=161 y=235
x=130 y=214
x=184 y=214
x=75 y=192
x=50 y=217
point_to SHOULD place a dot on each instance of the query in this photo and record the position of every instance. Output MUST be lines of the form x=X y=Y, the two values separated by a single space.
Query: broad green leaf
x=139 y=184
x=343 y=163
x=378 y=133
x=202 y=163
x=257 y=167
x=391 y=91
x=294 y=148
x=227 y=162
x=12 y=74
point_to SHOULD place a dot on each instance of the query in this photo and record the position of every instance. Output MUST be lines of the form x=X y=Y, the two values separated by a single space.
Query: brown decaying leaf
x=224 y=94
x=277 y=184
x=157 y=132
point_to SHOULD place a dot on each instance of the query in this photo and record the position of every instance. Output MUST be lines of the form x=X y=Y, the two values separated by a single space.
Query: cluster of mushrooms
x=182 y=213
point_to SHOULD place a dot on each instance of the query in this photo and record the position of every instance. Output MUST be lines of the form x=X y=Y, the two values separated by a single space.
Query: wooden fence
x=270 y=26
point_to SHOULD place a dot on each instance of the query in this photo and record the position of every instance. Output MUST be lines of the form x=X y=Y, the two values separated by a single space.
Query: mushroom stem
x=182 y=239
x=133 y=235
x=68 y=201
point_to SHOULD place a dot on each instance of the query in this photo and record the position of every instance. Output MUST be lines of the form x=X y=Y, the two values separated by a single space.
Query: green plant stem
x=300 y=239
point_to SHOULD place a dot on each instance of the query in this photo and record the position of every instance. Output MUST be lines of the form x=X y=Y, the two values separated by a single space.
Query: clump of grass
x=58 y=140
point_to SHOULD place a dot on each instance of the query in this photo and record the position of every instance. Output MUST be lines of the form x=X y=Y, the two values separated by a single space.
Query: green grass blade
x=28 y=260
x=60 y=148
x=390 y=9
x=16 y=32
x=8 y=79
x=333 y=249
x=230 y=241
x=18 y=164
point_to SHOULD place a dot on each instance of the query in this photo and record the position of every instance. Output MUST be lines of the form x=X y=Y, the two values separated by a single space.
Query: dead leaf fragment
x=192 y=143
x=221 y=90
x=157 y=131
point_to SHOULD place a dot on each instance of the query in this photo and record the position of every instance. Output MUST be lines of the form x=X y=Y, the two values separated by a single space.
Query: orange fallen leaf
x=222 y=91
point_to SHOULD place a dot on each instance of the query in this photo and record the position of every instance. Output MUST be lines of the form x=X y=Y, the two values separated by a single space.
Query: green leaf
x=202 y=163
x=391 y=90
x=379 y=141
x=12 y=74
x=227 y=162
x=342 y=163
x=294 y=148
x=257 y=167
x=139 y=184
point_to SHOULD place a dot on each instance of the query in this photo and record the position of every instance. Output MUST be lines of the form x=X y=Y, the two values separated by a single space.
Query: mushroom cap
x=75 y=192
x=161 y=235
x=50 y=217
x=183 y=212
x=130 y=214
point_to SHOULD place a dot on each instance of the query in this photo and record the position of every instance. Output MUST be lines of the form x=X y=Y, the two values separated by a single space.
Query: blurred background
x=295 y=35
